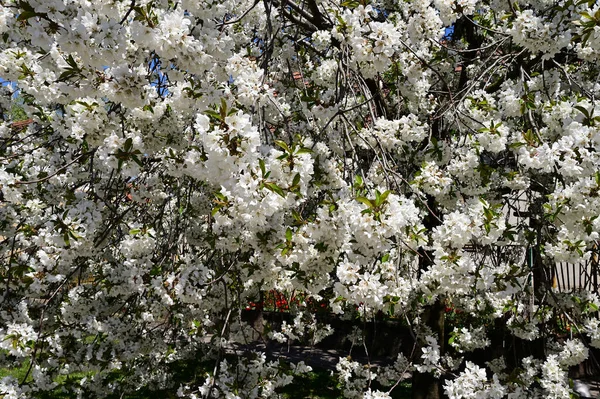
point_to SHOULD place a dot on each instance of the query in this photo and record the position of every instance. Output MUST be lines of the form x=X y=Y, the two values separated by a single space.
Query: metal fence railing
x=581 y=276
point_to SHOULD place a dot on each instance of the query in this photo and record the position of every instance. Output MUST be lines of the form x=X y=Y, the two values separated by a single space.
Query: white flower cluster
x=431 y=356
x=554 y=379
x=164 y=164
x=473 y=383
x=394 y=134
x=355 y=378
x=574 y=352
x=537 y=34
x=310 y=331
x=467 y=340
x=255 y=378
x=589 y=29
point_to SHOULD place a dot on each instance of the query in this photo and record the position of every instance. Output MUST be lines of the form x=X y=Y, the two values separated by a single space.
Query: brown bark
x=426 y=385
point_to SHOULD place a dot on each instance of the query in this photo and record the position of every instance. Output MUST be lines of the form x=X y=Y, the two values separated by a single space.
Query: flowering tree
x=379 y=157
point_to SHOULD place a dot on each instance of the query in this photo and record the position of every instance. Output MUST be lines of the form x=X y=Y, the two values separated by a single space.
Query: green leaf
x=584 y=111
x=72 y=63
x=25 y=15
x=358 y=180
x=321 y=247
x=383 y=197
x=288 y=234
x=137 y=160
x=296 y=180
x=366 y=201
x=304 y=150
x=516 y=145
x=283 y=145
x=213 y=114
x=220 y=196
x=66 y=75
x=296 y=215
x=263 y=169
x=350 y=3
x=223 y=109
x=275 y=188
x=128 y=144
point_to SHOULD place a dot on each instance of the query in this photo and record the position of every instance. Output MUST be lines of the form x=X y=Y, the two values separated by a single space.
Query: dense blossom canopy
x=377 y=157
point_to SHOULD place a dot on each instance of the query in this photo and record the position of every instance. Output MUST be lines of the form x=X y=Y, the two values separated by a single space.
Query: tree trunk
x=426 y=385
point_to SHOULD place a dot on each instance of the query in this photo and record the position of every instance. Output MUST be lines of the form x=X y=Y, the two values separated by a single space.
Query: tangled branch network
x=167 y=165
